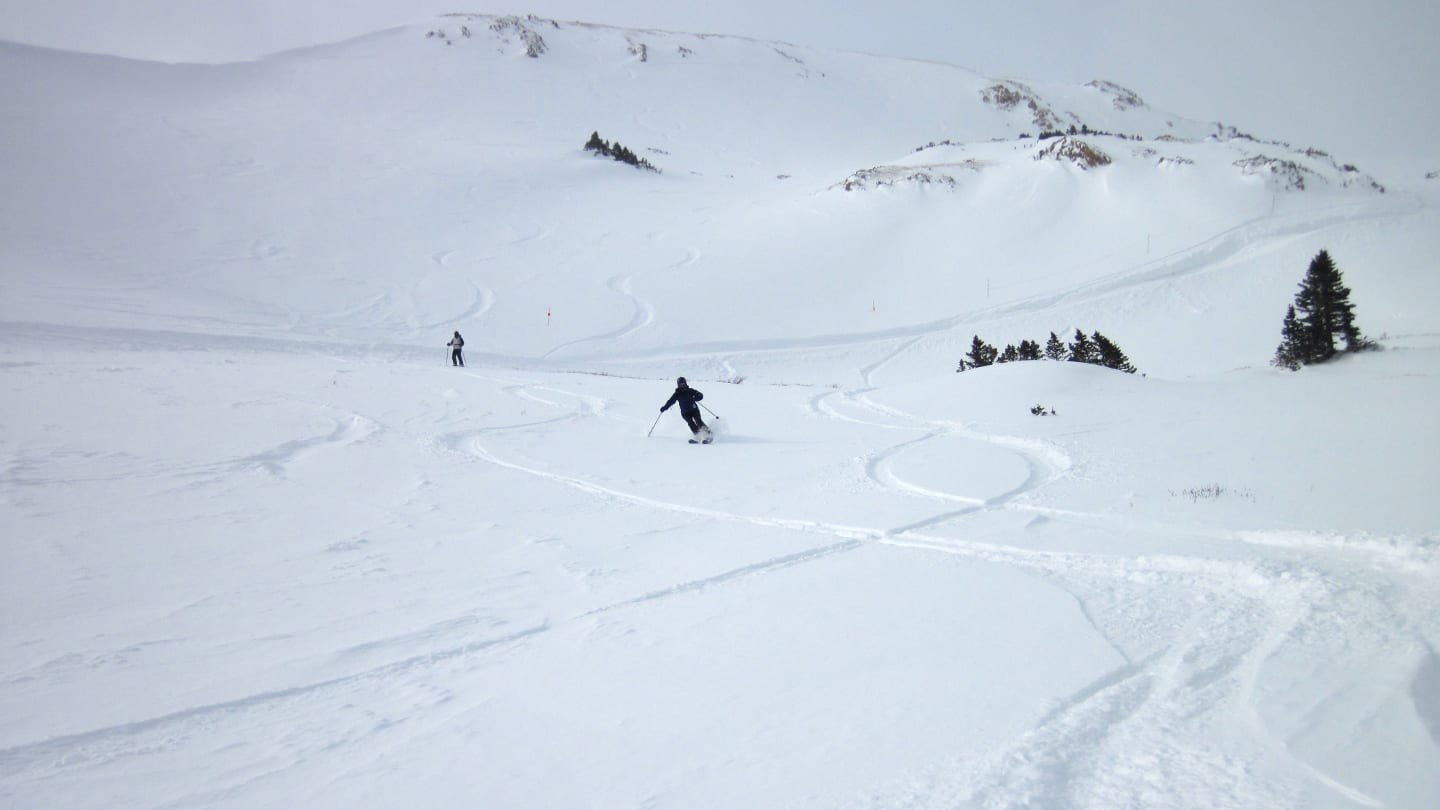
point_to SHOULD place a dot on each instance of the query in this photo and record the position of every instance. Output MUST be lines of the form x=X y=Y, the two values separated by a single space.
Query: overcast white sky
x=1355 y=77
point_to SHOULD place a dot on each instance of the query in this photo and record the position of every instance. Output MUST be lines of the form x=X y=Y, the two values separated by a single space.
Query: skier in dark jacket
x=456 y=343
x=687 y=397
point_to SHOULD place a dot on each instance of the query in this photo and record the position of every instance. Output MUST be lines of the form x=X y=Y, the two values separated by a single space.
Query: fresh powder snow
x=265 y=546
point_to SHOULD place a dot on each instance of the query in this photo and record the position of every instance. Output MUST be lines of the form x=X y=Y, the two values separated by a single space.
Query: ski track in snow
x=1180 y=264
x=1136 y=736
x=1211 y=627
x=45 y=758
x=1208 y=254
x=1129 y=739
x=641 y=317
x=481 y=302
x=643 y=313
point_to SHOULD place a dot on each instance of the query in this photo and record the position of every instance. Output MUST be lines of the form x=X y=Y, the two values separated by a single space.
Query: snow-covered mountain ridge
x=1098 y=106
x=279 y=182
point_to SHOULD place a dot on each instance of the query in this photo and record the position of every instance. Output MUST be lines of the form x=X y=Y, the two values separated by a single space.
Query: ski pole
x=652 y=427
x=712 y=413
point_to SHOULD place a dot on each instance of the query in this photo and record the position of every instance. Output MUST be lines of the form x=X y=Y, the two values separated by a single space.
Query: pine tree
x=1110 y=355
x=1029 y=350
x=1009 y=354
x=1055 y=348
x=1293 y=351
x=981 y=353
x=1083 y=350
x=1321 y=312
x=1325 y=311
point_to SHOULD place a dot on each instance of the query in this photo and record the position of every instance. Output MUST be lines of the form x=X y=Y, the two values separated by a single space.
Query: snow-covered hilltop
x=978 y=109
x=404 y=158
x=266 y=543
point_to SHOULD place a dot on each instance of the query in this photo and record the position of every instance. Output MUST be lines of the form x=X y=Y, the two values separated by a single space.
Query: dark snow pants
x=692 y=418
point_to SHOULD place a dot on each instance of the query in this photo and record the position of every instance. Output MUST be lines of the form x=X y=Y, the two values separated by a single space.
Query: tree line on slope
x=1315 y=327
x=616 y=151
x=1094 y=348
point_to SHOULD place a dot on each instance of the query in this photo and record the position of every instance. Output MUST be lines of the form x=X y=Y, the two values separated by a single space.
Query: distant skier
x=456 y=343
x=687 y=397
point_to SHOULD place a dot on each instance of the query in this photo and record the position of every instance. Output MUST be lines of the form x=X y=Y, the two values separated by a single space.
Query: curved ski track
x=1136 y=737
x=1182 y=263
x=1142 y=732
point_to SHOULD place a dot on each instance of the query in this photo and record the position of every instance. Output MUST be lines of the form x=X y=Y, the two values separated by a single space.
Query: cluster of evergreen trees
x=615 y=150
x=1321 y=313
x=1094 y=348
x=1084 y=129
x=1317 y=327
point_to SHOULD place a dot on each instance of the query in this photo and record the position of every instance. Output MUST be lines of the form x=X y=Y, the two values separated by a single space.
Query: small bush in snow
x=1211 y=492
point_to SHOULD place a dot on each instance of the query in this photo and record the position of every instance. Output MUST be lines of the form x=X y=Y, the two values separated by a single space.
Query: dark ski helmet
x=680 y=381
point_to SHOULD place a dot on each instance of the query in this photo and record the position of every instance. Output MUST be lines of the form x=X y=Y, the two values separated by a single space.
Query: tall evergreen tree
x=1293 y=350
x=1110 y=355
x=1325 y=311
x=1029 y=350
x=1055 y=348
x=1322 y=312
x=1009 y=354
x=1082 y=349
x=981 y=353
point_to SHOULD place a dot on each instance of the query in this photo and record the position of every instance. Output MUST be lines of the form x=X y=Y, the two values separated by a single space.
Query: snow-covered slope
x=263 y=546
x=386 y=188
